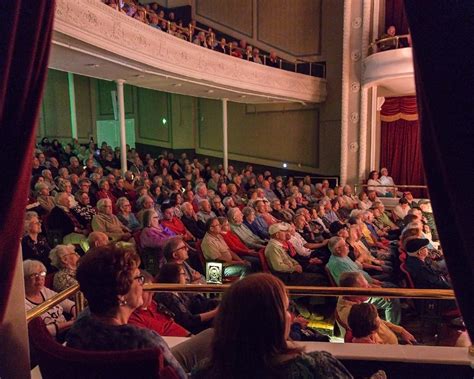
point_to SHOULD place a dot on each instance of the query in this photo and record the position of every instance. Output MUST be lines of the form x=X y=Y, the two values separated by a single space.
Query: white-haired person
x=64 y=258
x=34 y=244
x=106 y=222
x=36 y=293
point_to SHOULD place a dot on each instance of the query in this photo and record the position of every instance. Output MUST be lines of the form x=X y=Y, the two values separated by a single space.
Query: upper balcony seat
x=390 y=70
x=95 y=40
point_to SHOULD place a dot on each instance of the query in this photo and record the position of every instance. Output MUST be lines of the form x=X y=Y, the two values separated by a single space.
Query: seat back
x=263 y=260
x=49 y=280
x=403 y=268
x=331 y=278
x=58 y=361
x=200 y=254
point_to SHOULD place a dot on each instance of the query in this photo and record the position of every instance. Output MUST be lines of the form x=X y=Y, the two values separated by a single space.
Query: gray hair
x=56 y=254
x=28 y=217
x=30 y=265
x=349 y=279
x=101 y=203
x=333 y=241
x=227 y=200
x=170 y=247
x=147 y=215
x=62 y=184
x=141 y=201
x=231 y=213
x=120 y=202
x=40 y=186
x=58 y=196
x=248 y=211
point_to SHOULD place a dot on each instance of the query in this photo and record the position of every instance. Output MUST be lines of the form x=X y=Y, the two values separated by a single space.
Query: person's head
x=338 y=247
x=363 y=320
x=278 y=231
x=201 y=189
x=82 y=197
x=123 y=205
x=235 y=216
x=97 y=239
x=354 y=279
x=338 y=229
x=249 y=214
x=187 y=209
x=347 y=190
x=372 y=195
x=172 y=273
x=418 y=248
x=213 y=226
x=403 y=202
x=175 y=250
x=147 y=296
x=391 y=31
x=257 y=333
x=64 y=256
x=34 y=274
x=62 y=199
x=150 y=219
x=205 y=206
x=374 y=175
x=109 y=278
x=104 y=206
x=32 y=223
x=225 y=226
x=408 y=195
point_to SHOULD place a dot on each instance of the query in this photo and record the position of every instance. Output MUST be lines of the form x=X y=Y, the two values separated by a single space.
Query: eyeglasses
x=181 y=247
x=41 y=274
x=182 y=273
x=140 y=279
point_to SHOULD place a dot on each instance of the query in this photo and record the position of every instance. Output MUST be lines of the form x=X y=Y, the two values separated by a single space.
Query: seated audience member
x=83 y=211
x=253 y=342
x=106 y=222
x=391 y=43
x=364 y=321
x=200 y=194
x=113 y=286
x=257 y=225
x=401 y=209
x=304 y=255
x=364 y=202
x=273 y=60
x=237 y=226
x=386 y=333
x=34 y=244
x=411 y=201
x=217 y=207
x=237 y=246
x=65 y=186
x=154 y=316
x=427 y=212
x=382 y=220
x=282 y=265
x=64 y=222
x=278 y=213
x=173 y=223
x=97 y=239
x=64 y=258
x=374 y=184
x=348 y=198
x=422 y=274
x=125 y=214
x=191 y=222
x=205 y=212
x=214 y=248
x=36 y=293
x=192 y=311
x=176 y=251
x=337 y=205
x=154 y=235
x=387 y=180
x=309 y=241
x=45 y=201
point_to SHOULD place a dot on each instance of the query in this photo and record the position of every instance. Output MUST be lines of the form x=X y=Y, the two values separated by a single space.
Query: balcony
x=390 y=70
x=94 y=40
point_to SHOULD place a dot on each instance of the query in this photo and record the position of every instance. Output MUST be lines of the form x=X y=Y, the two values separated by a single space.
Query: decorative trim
x=91 y=26
x=399 y=116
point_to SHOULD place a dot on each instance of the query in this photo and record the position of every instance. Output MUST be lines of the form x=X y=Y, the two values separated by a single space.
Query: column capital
x=120 y=81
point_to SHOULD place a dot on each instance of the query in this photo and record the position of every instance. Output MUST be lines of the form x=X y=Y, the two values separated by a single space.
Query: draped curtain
x=400 y=150
x=26 y=27
x=395 y=15
x=446 y=108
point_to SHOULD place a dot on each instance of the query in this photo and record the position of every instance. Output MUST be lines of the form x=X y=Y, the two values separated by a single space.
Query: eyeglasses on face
x=181 y=247
x=140 y=279
x=40 y=274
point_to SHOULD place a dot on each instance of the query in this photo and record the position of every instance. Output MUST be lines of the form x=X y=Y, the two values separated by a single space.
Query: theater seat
x=263 y=260
x=58 y=361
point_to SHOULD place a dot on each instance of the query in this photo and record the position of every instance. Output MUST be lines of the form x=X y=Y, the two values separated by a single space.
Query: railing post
x=224 y=135
x=123 y=134
x=281 y=62
x=265 y=60
x=310 y=68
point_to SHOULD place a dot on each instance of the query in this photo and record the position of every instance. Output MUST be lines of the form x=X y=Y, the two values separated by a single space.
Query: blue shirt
x=339 y=265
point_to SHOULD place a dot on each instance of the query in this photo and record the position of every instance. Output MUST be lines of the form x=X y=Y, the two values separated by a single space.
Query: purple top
x=155 y=237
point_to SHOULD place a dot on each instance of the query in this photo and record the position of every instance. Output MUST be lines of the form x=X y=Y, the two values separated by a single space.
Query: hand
x=376 y=283
x=325 y=242
x=406 y=336
x=298 y=269
x=315 y=261
x=196 y=275
x=126 y=236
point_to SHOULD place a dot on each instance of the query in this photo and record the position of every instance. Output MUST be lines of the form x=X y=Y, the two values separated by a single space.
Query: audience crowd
x=159 y=18
x=169 y=215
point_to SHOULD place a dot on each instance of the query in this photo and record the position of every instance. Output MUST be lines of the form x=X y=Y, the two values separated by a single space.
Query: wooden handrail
x=292 y=290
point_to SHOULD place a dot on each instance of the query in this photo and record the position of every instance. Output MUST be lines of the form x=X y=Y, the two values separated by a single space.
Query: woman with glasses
x=113 y=286
x=36 y=293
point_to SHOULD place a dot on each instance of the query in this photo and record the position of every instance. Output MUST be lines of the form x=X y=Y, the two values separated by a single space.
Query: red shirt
x=176 y=225
x=235 y=244
x=161 y=323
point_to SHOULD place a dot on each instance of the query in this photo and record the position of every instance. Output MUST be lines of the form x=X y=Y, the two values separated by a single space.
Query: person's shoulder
x=318 y=364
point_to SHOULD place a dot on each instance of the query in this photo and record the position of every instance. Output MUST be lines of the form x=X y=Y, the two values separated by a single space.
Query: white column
x=123 y=135
x=224 y=135
x=363 y=134
x=373 y=128
x=72 y=104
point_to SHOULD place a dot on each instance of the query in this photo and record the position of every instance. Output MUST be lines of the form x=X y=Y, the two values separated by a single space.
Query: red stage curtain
x=26 y=27
x=446 y=106
x=395 y=15
x=400 y=149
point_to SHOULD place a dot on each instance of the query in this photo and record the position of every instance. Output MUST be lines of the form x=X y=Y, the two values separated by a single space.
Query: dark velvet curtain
x=400 y=149
x=444 y=85
x=395 y=15
x=26 y=28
